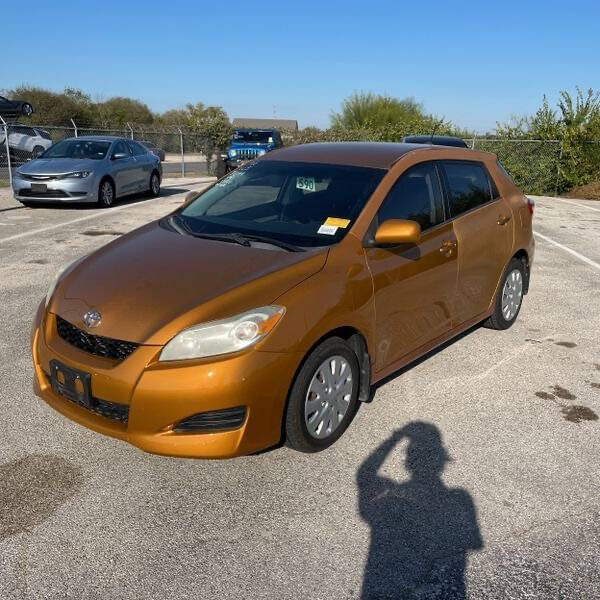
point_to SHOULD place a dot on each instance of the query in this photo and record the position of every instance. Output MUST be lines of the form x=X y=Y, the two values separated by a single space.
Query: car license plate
x=39 y=187
x=71 y=383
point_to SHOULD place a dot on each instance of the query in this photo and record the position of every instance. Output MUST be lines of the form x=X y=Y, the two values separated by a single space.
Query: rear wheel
x=154 y=184
x=106 y=193
x=324 y=397
x=37 y=151
x=509 y=298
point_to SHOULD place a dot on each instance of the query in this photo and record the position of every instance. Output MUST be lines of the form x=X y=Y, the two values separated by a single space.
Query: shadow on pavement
x=421 y=530
x=33 y=488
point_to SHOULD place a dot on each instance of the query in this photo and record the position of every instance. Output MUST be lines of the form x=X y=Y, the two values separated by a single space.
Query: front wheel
x=106 y=194
x=324 y=397
x=509 y=298
x=154 y=185
x=37 y=151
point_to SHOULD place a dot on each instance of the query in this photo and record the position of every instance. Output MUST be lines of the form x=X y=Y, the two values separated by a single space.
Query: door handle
x=503 y=219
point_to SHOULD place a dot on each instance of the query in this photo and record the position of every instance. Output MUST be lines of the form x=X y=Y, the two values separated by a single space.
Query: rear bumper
x=58 y=190
x=160 y=395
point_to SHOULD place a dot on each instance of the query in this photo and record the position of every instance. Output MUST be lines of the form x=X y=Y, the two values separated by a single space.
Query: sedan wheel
x=27 y=109
x=107 y=194
x=155 y=185
x=512 y=294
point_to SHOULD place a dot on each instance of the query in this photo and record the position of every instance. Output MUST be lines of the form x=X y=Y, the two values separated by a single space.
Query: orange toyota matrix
x=265 y=307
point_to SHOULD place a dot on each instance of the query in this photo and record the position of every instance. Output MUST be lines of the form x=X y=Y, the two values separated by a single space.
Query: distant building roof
x=266 y=123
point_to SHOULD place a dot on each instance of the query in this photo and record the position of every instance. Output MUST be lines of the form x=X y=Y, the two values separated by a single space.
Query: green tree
x=119 y=111
x=371 y=110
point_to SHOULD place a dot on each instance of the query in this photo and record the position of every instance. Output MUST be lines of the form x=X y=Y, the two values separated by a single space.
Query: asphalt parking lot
x=510 y=438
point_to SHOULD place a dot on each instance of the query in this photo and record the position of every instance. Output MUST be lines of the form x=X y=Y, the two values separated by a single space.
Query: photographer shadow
x=421 y=530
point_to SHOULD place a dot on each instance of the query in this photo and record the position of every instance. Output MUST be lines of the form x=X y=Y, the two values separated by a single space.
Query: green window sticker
x=306 y=183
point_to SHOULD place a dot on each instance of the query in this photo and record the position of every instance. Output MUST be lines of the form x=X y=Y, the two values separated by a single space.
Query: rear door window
x=416 y=196
x=468 y=185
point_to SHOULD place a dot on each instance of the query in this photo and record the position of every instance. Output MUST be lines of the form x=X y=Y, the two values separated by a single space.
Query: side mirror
x=397 y=231
x=119 y=156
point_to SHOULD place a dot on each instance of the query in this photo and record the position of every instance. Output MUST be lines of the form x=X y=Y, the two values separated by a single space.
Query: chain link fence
x=537 y=166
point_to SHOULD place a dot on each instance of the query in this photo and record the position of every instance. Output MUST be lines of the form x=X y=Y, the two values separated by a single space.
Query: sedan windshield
x=77 y=149
x=256 y=137
x=304 y=204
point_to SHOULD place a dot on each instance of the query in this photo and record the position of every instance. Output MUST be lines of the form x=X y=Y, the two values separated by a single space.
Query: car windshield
x=255 y=137
x=305 y=204
x=77 y=149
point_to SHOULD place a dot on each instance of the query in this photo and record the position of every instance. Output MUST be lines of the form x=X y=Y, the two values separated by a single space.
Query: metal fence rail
x=537 y=166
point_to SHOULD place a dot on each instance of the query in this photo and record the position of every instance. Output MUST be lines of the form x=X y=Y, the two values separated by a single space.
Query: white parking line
x=581 y=257
x=98 y=213
x=580 y=205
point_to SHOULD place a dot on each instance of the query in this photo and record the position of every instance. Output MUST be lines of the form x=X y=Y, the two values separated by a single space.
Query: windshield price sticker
x=335 y=222
x=327 y=229
x=306 y=183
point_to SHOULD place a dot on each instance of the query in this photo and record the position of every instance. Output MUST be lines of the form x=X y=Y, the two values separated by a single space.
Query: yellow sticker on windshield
x=335 y=222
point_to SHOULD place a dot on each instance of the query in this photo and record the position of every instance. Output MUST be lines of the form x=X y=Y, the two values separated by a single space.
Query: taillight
x=530 y=205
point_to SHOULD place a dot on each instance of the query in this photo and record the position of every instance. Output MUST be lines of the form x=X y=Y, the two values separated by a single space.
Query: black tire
x=106 y=200
x=498 y=320
x=296 y=432
x=37 y=151
x=154 y=185
x=27 y=109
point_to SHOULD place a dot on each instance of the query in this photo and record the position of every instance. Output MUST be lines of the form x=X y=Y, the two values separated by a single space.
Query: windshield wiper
x=237 y=238
x=273 y=241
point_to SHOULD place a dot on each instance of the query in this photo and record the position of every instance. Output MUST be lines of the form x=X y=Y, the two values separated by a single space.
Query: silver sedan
x=88 y=169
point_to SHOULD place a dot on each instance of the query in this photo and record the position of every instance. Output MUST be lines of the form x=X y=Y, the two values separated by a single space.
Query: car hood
x=152 y=283
x=58 y=166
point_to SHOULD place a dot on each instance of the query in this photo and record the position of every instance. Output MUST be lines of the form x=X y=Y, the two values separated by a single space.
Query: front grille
x=94 y=344
x=37 y=177
x=214 y=420
x=110 y=410
x=247 y=153
x=29 y=193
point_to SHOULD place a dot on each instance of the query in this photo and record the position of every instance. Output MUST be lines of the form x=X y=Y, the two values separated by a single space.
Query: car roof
x=379 y=155
x=98 y=138
x=436 y=140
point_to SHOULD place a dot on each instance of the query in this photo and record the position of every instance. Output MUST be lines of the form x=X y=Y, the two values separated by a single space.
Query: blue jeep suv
x=246 y=145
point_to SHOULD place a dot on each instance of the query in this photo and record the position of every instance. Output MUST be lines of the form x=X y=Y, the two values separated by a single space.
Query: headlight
x=59 y=274
x=76 y=175
x=223 y=337
x=261 y=152
x=233 y=153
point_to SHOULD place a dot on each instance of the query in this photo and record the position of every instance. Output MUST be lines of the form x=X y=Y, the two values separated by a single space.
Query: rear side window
x=468 y=186
x=136 y=149
x=416 y=196
x=121 y=147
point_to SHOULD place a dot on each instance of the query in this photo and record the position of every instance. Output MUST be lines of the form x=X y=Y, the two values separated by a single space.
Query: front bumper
x=160 y=395
x=57 y=190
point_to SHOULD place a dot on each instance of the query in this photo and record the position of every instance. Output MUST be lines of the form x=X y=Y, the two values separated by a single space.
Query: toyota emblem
x=92 y=318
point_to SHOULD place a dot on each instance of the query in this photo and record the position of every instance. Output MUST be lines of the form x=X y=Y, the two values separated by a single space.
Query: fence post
x=182 y=154
x=560 y=154
x=74 y=127
x=130 y=131
x=5 y=127
x=473 y=143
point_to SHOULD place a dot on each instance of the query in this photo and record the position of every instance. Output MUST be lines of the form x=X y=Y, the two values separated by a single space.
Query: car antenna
x=436 y=125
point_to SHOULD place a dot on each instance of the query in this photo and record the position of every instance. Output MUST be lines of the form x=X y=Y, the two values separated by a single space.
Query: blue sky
x=472 y=62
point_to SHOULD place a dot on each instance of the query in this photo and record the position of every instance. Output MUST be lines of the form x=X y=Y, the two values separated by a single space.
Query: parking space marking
x=98 y=213
x=576 y=254
x=580 y=205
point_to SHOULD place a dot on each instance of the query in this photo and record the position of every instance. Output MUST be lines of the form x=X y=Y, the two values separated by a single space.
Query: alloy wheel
x=107 y=193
